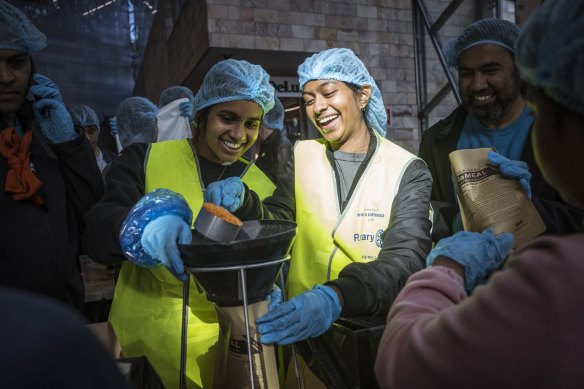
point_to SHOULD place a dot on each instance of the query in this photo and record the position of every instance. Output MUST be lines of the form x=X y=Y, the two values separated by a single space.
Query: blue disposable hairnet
x=83 y=116
x=550 y=52
x=17 y=31
x=173 y=93
x=274 y=119
x=490 y=31
x=343 y=65
x=231 y=80
x=136 y=121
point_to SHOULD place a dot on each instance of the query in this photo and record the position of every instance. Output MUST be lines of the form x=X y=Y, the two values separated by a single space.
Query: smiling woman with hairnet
x=360 y=201
x=523 y=329
x=152 y=191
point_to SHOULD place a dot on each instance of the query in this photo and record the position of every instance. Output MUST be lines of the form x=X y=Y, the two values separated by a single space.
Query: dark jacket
x=276 y=155
x=369 y=288
x=442 y=138
x=39 y=245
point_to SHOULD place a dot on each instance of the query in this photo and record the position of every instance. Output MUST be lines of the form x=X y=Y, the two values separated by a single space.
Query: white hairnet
x=343 y=65
x=274 y=119
x=489 y=31
x=550 y=52
x=83 y=116
x=17 y=31
x=231 y=80
x=173 y=93
x=136 y=121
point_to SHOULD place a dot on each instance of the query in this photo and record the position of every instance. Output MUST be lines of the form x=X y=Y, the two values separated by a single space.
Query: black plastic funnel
x=258 y=241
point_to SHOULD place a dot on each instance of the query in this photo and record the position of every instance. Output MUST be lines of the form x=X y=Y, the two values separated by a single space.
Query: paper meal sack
x=488 y=199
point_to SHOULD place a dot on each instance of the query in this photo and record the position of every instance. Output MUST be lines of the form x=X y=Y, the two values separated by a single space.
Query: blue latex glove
x=478 y=253
x=113 y=126
x=43 y=88
x=513 y=169
x=307 y=315
x=54 y=120
x=186 y=109
x=228 y=193
x=160 y=238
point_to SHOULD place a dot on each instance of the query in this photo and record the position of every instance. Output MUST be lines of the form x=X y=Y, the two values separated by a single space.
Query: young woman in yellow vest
x=361 y=204
x=152 y=193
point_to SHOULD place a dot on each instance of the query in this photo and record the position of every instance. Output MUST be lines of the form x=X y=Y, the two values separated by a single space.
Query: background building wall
x=379 y=32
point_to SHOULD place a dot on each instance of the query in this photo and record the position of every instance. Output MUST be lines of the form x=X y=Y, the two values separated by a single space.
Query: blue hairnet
x=83 y=116
x=231 y=80
x=343 y=65
x=274 y=119
x=550 y=52
x=173 y=93
x=17 y=31
x=136 y=121
x=490 y=31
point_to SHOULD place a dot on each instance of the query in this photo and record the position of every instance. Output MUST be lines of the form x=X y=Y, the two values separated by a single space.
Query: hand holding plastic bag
x=228 y=193
x=307 y=315
x=478 y=253
x=154 y=227
x=186 y=109
x=160 y=238
x=514 y=169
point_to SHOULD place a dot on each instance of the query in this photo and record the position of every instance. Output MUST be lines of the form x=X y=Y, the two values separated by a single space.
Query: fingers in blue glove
x=307 y=315
x=54 y=120
x=44 y=88
x=113 y=125
x=186 y=109
x=228 y=193
x=275 y=298
x=160 y=238
x=514 y=169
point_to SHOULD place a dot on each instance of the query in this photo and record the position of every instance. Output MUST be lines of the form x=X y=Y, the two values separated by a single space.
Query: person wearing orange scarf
x=48 y=175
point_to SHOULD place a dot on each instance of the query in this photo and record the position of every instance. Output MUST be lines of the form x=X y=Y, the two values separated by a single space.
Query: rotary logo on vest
x=377 y=238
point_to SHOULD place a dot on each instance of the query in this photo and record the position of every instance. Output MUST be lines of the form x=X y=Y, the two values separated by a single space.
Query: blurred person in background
x=273 y=152
x=136 y=121
x=523 y=329
x=87 y=122
x=176 y=113
x=49 y=175
x=152 y=192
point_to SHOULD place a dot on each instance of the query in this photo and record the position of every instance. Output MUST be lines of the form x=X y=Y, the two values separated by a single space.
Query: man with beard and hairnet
x=87 y=122
x=523 y=329
x=493 y=114
x=48 y=174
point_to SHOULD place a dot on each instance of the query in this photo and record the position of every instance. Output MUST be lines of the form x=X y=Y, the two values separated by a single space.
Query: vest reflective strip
x=327 y=240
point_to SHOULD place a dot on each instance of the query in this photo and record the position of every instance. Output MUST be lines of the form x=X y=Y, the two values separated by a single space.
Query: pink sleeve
x=501 y=336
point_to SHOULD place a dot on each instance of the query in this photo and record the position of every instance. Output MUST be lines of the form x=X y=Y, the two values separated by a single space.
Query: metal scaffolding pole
x=423 y=24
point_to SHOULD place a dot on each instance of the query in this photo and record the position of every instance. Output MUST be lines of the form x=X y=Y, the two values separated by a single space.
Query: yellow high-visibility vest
x=328 y=240
x=146 y=312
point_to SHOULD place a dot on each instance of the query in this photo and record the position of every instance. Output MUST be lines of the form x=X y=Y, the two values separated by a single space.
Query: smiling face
x=335 y=109
x=15 y=73
x=489 y=85
x=230 y=129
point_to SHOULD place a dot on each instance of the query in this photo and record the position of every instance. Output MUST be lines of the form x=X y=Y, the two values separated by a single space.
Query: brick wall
x=379 y=32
